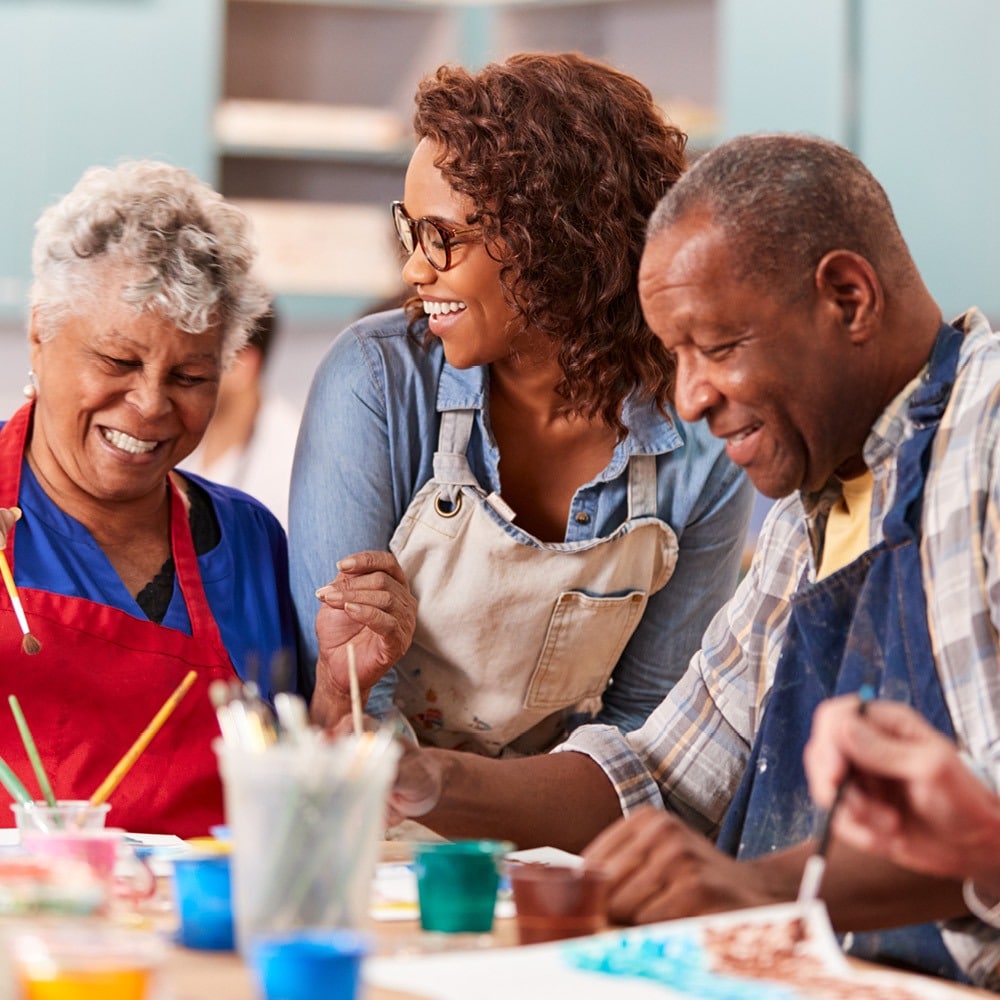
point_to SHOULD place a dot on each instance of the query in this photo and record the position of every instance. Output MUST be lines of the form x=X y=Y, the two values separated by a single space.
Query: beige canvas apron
x=514 y=634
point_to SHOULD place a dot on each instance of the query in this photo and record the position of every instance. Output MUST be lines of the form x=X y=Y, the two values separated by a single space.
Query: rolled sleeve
x=610 y=750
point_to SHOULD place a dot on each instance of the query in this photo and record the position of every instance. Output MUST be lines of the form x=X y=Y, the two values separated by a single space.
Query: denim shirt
x=366 y=446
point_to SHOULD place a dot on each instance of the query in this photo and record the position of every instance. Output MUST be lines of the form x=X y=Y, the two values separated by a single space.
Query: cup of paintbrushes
x=306 y=820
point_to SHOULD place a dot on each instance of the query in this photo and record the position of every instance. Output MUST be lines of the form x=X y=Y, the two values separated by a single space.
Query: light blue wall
x=931 y=132
x=911 y=86
x=782 y=66
x=96 y=81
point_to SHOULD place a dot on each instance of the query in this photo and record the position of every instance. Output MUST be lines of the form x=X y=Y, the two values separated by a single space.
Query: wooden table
x=207 y=975
x=202 y=975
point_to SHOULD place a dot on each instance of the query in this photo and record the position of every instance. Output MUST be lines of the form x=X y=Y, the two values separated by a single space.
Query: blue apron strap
x=926 y=407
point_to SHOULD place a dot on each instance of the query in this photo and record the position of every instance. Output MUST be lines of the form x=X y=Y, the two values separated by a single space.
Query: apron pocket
x=585 y=638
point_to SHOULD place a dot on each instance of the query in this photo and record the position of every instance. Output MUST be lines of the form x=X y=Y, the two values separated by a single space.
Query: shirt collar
x=893 y=425
x=461 y=388
x=649 y=433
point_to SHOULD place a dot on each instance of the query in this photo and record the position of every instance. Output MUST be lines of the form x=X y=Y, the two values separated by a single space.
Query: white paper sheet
x=654 y=962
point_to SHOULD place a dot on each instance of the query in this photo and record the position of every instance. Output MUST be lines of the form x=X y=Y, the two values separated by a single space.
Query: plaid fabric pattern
x=691 y=752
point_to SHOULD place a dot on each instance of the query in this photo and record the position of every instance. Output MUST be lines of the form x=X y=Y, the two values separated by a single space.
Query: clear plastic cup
x=66 y=814
x=555 y=902
x=306 y=822
x=123 y=874
x=84 y=959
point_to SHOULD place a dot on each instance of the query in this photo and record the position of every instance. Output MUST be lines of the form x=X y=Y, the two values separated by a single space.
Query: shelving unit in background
x=313 y=128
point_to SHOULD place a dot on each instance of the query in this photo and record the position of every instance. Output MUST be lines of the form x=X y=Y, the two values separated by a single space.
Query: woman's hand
x=9 y=516
x=417 y=788
x=369 y=606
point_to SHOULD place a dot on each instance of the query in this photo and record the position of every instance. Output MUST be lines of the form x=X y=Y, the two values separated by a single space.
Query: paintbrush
x=32 y=750
x=145 y=737
x=12 y=783
x=29 y=644
x=352 y=674
x=815 y=866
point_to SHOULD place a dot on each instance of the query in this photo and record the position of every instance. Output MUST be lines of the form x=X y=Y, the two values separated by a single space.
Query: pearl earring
x=31 y=389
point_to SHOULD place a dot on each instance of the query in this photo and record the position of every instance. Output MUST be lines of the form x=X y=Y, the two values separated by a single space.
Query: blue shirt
x=245 y=576
x=366 y=446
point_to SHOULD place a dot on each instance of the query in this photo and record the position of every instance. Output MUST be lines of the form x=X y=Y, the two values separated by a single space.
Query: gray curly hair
x=185 y=253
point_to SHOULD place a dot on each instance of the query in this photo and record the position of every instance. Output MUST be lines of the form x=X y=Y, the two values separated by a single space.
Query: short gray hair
x=183 y=251
x=785 y=201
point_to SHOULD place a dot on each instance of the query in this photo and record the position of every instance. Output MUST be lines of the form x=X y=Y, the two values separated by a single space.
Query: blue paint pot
x=306 y=964
x=203 y=899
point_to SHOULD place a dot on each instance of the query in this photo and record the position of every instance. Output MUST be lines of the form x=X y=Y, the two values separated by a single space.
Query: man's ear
x=848 y=286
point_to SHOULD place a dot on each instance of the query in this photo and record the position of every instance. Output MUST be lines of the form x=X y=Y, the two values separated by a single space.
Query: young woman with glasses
x=503 y=450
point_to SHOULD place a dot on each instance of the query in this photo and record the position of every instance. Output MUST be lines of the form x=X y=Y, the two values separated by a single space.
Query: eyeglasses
x=434 y=238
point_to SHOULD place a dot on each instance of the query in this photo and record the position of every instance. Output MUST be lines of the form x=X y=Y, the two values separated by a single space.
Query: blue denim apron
x=866 y=623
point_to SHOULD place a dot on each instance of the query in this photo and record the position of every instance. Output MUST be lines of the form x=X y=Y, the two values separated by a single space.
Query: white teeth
x=737 y=438
x=442 y=308
x=128 y=443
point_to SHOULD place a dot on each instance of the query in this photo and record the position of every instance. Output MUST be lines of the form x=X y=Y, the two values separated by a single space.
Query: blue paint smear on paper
x=677 y=961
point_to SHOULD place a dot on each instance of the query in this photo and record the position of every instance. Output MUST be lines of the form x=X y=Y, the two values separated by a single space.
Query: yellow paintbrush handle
x=132 y=754
x=15 y=598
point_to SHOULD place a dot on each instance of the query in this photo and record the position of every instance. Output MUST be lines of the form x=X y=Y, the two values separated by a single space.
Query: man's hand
x=417 y=788
x=661 y=869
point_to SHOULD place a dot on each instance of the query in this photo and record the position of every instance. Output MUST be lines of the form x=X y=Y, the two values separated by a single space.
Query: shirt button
x=582 y=518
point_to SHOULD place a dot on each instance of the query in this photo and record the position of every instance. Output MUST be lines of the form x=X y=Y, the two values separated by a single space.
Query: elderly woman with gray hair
x=130 y=574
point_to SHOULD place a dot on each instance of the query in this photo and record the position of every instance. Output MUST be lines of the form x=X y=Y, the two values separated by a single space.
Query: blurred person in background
x=250 y=440
x=504 y=448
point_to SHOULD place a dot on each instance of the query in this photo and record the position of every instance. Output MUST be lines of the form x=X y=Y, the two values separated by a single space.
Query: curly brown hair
x=564 y=159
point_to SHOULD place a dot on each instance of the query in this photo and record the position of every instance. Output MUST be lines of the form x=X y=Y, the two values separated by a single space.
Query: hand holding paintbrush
x=29 y=644
x=815 y=867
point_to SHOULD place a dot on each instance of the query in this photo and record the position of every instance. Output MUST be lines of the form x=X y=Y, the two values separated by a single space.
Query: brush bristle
x=30 y=645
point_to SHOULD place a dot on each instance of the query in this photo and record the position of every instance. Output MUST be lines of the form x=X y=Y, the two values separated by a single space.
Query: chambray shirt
x=690 y=755
x=366 y=447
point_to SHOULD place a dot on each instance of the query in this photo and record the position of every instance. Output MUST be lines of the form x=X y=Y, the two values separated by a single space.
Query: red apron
x=100 y=678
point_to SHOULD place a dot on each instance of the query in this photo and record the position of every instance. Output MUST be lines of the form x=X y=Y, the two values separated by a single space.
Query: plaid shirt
x=690 y=754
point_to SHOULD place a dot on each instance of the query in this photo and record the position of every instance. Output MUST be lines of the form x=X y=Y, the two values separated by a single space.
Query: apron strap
x=641 y=486
x=926 y=408
x=451 y=464
x=203 y=624
x=13 y=438
x=452 y=469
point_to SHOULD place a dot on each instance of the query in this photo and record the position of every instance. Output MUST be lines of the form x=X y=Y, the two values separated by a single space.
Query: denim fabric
x=366 y=446
x=697 y=743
